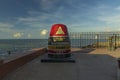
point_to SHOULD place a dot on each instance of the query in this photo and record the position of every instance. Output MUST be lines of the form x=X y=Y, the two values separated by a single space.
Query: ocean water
x=20 y=45
x=78 y=43
x=16 y=46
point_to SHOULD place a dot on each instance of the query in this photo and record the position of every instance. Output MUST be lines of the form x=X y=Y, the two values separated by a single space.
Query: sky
x=33 y=18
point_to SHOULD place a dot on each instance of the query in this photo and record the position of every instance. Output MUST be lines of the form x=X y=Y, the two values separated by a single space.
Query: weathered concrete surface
x=13 y=63
x=118 y=74
x=87 y=67
x=1 y=61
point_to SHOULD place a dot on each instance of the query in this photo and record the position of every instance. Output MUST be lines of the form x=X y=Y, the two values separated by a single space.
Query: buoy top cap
x=59 y=30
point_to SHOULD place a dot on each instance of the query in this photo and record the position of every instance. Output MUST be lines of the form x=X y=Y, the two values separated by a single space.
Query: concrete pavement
x=87 y=67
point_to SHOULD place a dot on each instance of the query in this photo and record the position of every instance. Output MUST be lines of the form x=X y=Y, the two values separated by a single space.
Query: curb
x=7 y=67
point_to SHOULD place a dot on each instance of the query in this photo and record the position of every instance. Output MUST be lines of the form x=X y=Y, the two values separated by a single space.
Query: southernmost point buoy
x=58 y=45
x=59 y=42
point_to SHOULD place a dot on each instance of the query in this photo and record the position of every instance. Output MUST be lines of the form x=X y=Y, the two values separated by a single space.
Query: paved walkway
x=87 y=67
x=115 y=54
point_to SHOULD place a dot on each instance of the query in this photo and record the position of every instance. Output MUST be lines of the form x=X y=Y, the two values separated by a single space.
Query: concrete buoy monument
x=59 y=46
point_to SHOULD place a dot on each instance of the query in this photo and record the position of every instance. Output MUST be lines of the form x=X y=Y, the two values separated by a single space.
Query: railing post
x=115 y=41
x=97 y=40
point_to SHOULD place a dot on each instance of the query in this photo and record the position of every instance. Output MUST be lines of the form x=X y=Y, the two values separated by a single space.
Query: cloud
x=109 y=15
x=48 y=5
x=110 y=19
x=40 y=19
x=44 y=32
x=66 y=13
x=118 y=8
x=29 y=35
x=28 y=19
x=5 y=25
x=17 y=35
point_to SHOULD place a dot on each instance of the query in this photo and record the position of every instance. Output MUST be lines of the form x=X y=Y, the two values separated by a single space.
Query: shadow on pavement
x=86 y=50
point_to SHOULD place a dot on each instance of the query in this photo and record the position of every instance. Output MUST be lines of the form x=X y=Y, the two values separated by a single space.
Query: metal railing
x=110 y=40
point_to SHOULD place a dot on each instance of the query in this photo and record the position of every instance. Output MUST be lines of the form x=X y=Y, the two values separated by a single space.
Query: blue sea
x=22 y=45
x=78 y=43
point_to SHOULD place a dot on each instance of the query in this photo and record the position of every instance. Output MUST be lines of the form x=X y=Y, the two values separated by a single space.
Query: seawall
x=8 y=66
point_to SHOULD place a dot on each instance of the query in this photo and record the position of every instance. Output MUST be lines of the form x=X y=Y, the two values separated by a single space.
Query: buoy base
x=57 y=59
x=59 y=55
